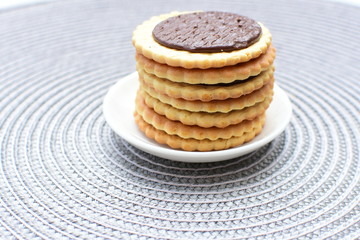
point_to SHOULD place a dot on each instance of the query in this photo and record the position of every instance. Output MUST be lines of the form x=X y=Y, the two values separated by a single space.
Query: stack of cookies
x=206 y=79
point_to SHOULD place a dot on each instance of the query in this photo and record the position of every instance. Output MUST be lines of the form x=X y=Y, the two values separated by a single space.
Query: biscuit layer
x=224 y=106
x=185 y=131
x=191 y=144
x=203 y=119
x=145 y=44
x=227 y=74
x=206 y=92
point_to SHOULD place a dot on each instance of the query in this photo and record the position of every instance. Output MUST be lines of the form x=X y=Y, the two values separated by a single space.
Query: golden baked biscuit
x=145 y=44
x=226 y=74
x=224 y=106
x=160 y=122
x=203 y=119
x=206 y=92
x=191 y=144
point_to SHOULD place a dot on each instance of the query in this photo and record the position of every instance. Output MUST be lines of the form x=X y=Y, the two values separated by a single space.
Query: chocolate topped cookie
x=207 y=32
x=206 y=79
x=231 y=50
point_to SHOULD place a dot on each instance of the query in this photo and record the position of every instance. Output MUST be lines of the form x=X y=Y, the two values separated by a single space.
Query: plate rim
x=166 y=152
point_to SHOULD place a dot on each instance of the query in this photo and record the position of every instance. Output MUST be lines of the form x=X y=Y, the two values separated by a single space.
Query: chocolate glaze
x=207 y=32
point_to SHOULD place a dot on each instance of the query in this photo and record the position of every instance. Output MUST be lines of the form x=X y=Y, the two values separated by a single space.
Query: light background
x=5 y=4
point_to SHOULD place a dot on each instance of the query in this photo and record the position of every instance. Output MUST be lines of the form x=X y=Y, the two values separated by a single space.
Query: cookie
x=192 y=144
x=206 y=92
x=224 y=106
x=206 y=79
x=162 y=123
x=145 y=44
x=226 y=74
x=203 y=119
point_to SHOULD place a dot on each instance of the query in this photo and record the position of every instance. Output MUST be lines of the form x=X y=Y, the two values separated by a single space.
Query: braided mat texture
x=66 y=175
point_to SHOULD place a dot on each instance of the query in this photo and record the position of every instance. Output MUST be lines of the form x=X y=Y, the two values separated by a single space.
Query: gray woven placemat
x=66 y=175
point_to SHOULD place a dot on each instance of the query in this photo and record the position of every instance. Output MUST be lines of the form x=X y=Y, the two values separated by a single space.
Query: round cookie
x=191 y=144
x=226 y=74
x=145 y=44
x=224 y=106
x=206 y=92
x=160 y=122
x=203 y=119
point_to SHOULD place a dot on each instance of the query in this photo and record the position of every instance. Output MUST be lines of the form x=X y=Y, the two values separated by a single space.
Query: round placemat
x=66 y=175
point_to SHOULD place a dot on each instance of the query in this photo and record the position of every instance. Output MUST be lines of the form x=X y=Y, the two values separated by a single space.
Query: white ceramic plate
x=119 y=105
